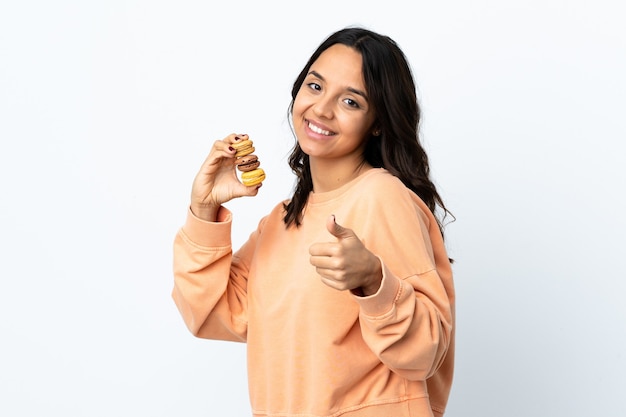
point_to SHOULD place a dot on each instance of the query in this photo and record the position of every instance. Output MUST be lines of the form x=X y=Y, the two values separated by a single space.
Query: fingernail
x=230 y=148
x=237 y=138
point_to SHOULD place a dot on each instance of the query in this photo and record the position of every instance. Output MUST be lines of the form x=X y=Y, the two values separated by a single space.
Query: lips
x=316 y=129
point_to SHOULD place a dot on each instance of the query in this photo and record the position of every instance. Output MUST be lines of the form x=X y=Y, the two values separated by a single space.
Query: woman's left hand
x=346 y=264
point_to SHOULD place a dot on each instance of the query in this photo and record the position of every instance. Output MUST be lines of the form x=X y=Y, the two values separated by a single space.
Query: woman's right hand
x=217 y=182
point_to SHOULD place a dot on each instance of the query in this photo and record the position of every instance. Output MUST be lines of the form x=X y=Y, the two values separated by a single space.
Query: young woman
x=344 y=293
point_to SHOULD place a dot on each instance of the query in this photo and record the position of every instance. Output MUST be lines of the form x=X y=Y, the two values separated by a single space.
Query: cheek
x=298 y=112
x=356 y=126
x=365 y=125
x=299 y=106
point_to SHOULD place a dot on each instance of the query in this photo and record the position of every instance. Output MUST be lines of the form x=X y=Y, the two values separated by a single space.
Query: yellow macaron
x=253 y=177
x=243 y=147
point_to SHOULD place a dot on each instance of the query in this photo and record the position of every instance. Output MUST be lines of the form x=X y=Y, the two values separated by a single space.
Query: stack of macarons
x=248 y=163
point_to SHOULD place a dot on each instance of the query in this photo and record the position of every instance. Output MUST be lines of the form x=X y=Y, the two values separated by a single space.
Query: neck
x=328 y=175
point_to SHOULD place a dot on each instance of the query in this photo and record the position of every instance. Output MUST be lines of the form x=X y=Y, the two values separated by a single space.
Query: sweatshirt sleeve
x=408 y=323
x=210 y=291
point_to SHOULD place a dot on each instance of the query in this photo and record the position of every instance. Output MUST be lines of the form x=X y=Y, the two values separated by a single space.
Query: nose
x=324 y=107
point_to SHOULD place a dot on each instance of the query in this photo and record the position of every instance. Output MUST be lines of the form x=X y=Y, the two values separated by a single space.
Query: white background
x=107 y=108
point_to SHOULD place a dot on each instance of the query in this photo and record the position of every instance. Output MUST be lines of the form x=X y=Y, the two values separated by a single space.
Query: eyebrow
x=352 y=90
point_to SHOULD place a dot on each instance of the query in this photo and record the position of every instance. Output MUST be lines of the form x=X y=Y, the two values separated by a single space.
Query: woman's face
x=332 y=115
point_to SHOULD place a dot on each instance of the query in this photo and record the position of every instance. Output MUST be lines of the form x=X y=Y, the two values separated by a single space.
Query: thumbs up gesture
x=346 y=264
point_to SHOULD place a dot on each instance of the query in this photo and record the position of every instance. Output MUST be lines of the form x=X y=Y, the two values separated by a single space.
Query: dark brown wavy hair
x=392 y=92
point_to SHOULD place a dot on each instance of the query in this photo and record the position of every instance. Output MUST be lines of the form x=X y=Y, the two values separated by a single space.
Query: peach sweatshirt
x=314 y=351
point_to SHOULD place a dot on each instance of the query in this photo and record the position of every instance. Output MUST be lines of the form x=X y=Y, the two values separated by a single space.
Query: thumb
x=337 y=230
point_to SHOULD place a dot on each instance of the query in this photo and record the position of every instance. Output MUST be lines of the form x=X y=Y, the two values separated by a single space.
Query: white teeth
x=318 y=130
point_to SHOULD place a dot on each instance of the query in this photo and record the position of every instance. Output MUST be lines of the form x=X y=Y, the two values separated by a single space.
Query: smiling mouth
x=319 y=130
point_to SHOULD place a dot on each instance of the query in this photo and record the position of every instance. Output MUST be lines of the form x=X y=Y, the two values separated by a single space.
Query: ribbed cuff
x=209 y=234
x=382 y=301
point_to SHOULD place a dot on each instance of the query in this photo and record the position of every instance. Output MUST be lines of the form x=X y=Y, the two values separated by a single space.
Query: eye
x=351 y=103
x=314 y=86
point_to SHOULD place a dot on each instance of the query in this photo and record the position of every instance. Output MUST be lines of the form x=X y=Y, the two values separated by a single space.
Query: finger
x=334 y=283
x=327 y=263
x=235 y=137
x=331 y=283
x=327 y=249
x=224 y=146
x=250 y=191
x=221 y=151
x=337 y=230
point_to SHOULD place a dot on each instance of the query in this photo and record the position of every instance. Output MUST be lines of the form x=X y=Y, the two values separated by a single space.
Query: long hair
x=392 y=92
